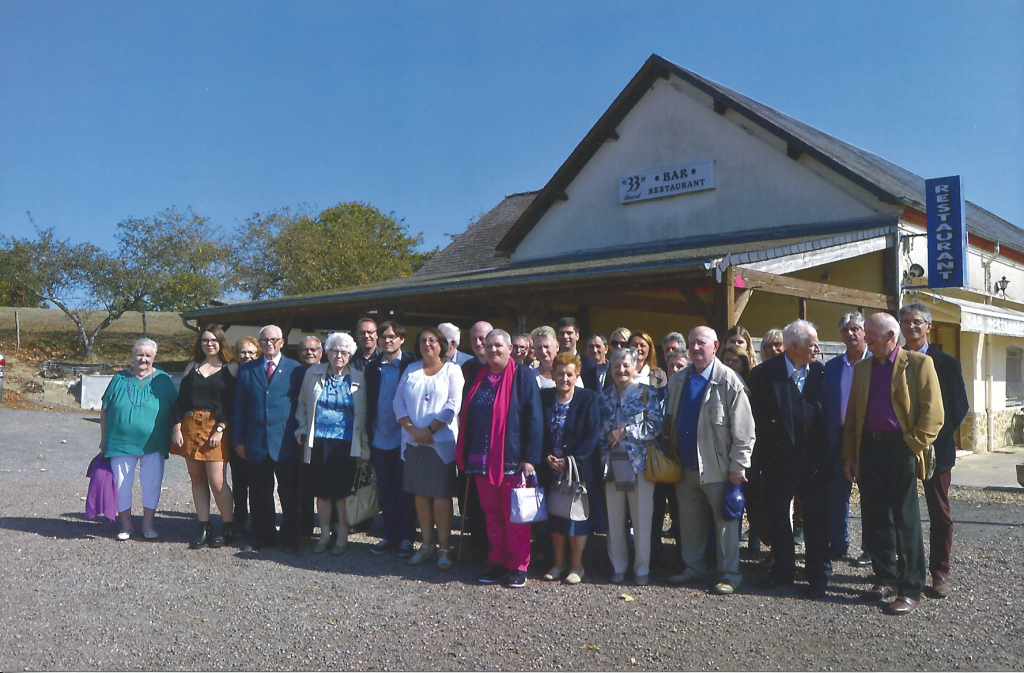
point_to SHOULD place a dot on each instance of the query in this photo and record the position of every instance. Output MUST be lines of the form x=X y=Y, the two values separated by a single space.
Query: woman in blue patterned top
x=331 y=414
x=631 y=419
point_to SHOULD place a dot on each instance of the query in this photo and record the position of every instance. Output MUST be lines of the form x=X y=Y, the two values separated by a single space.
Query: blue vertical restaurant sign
x=947 y=232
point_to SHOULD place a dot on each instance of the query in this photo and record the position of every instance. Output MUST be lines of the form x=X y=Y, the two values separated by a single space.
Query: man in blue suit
x=838 y=379
x=266 y=396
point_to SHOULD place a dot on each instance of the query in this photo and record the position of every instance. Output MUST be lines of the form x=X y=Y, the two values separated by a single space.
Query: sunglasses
x=618 y=344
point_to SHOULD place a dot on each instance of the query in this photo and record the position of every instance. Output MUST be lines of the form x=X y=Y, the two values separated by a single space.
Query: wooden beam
x=740 y=305
x=794 y=287
x=803 y=308
x=729 y=306
x=697 y=305
x=722 y=303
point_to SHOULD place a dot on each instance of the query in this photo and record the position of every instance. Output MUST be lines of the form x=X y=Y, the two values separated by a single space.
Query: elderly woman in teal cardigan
x=135 y=430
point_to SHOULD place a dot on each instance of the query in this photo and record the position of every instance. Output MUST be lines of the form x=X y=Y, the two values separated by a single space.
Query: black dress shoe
x=774 y=582
x=862 y=561
x=205 y=536
x=221 y=538
x=815 y=591
x=231 y=532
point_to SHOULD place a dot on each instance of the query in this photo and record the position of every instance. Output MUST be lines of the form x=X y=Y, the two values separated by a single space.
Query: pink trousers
x=510 y=542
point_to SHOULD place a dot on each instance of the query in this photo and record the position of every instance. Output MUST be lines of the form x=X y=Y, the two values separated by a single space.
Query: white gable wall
x=759 y=186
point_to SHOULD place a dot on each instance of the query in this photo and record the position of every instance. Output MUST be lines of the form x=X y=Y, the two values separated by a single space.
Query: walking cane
x=462 y=531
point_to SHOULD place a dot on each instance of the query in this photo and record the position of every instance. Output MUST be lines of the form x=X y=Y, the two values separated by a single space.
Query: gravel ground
x=74 y=598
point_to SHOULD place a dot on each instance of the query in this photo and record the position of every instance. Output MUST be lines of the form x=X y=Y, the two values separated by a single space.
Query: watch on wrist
x=431 y=428
x=219 y=428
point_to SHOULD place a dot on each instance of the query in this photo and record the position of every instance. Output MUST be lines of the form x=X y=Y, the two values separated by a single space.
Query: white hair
x=622 y=353
x=266 y=327
x=143 y=341
x=310 y=336
x=889 y=323
x=343 y=339
x=450 y=332
x=499 y=333
x=797 y=332
x=857 y=318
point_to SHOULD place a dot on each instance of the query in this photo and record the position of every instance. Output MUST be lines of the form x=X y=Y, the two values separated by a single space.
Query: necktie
x=270 y=368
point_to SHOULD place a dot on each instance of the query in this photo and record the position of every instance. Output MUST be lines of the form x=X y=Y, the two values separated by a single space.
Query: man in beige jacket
x=894 y=414
x=709 y=425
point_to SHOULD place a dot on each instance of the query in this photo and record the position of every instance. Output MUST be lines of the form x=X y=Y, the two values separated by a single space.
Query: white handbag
x=528 y=505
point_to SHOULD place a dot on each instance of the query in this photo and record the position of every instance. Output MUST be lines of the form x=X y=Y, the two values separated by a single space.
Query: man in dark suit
x=568 y=334
x=366 y=341
x=382 y=376
x=838 y=382
x=916 y=323
x=788 y=402
x=266 y=397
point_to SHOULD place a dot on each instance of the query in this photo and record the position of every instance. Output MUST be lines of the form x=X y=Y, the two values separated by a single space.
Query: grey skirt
x=427 y=475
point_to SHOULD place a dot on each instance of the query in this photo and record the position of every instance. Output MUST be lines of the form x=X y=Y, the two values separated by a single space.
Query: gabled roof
x=889 y=182
x=473 y=249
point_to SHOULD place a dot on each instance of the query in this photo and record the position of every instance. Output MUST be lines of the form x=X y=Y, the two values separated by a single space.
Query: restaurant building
x=688 y=203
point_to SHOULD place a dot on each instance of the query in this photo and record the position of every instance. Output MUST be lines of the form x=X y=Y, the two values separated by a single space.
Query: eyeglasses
x=249 y=353
x=392 y=337
x=917 y=322
x=314 y=349
x=428 y=342
x=337 y=352
x=520 y=347
x=363 y=333
x=270 y=341
x=206 y=342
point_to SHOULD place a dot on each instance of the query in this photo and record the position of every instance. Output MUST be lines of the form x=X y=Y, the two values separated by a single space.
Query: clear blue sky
x=437 y=110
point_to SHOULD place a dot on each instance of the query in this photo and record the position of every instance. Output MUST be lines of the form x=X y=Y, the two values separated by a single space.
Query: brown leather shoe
x=940 y=587
x=903 y=606
x=879 y=592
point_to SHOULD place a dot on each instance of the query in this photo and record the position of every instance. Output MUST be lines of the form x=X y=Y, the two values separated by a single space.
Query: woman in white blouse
x=427 y=406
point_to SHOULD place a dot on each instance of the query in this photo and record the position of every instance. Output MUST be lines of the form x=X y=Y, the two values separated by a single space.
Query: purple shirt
x=880 y=416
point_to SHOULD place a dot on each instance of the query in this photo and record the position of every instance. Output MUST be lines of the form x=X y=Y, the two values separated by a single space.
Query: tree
x=289 y=253
x=174 y=261
x=74 y=278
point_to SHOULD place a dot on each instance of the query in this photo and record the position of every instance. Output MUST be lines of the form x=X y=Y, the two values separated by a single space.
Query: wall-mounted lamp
x=1000 y=286
x=915 y=271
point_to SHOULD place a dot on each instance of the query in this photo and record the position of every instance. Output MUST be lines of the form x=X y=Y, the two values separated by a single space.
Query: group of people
x=444 y=424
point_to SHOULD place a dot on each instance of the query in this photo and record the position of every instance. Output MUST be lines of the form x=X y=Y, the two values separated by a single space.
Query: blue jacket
x=579 y=434
x=371 y=372
x=264 y=421
x=833 y=398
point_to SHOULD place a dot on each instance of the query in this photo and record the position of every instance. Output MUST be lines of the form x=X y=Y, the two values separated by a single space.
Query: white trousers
x=641 y=509
x=151 y=475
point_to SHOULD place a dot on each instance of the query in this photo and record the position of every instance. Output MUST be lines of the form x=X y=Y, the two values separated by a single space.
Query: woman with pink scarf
x=501 y=433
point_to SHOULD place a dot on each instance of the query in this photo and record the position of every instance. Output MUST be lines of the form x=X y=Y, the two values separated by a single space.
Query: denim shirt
x=627 y=412
x=387 y=434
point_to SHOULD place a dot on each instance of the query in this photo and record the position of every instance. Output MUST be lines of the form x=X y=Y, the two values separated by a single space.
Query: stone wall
x=1007 y=428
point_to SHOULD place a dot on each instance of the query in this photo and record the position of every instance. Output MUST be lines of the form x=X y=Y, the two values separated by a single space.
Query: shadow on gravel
x=64 y=528
x=174 y=527
x=91 y=419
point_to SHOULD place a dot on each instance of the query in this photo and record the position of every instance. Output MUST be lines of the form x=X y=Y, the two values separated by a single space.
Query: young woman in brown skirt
x=201 y=434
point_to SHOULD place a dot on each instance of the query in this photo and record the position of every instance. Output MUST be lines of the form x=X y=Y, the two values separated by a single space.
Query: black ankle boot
x=225 y=536
x=205 y=535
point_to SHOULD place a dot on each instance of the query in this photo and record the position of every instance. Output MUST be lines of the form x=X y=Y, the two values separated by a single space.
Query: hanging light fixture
x=1001 y=285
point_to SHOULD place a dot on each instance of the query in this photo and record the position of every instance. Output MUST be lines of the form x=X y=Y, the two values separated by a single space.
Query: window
x=1014 y=378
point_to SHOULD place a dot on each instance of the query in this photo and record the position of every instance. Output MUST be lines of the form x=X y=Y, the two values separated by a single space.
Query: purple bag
x=102 y=497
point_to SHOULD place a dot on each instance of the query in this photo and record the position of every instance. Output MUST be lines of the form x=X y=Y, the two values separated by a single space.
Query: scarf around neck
x=499 y=416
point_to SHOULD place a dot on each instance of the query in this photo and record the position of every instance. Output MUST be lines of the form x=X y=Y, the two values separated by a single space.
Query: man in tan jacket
x=894 y=414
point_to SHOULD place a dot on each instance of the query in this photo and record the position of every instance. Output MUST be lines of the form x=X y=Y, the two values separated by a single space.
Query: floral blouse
x=627 y=411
